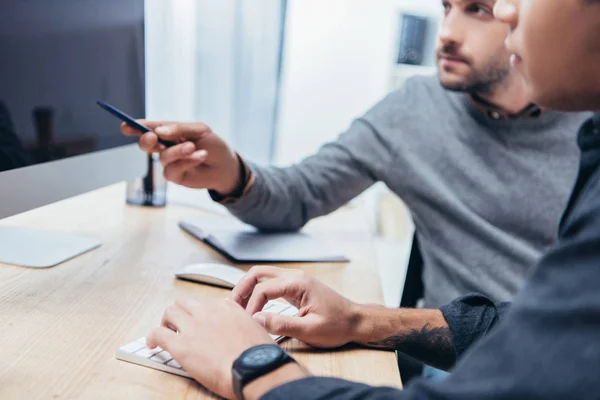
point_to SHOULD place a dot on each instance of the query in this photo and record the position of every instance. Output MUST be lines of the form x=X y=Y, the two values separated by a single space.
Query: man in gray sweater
x=484 y=173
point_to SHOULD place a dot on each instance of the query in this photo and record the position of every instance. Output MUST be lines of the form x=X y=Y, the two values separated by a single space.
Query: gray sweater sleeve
x=284 y=199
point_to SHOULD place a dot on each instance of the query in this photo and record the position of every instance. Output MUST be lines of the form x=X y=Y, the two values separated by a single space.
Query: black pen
x=131 y=122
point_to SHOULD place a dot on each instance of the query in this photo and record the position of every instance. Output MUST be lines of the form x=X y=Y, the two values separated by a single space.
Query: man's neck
x=509 y=96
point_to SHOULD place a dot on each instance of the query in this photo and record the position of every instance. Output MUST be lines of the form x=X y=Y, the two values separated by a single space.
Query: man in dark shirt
x=545 y=346
x=12 y=153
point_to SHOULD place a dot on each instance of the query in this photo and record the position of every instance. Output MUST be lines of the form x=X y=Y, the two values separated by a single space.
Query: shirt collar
x=494 y=112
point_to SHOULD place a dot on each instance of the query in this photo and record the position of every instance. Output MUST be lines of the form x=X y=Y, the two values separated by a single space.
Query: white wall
x=171 y=35
x=217 y=62
x=338 y=61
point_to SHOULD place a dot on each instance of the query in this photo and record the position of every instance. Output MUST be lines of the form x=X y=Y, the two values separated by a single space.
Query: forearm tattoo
x=432 y=346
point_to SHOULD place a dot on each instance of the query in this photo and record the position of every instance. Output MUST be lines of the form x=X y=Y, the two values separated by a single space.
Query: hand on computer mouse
x=200 y=160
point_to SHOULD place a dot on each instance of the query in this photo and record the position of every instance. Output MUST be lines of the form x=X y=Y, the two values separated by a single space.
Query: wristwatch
x=256 y=362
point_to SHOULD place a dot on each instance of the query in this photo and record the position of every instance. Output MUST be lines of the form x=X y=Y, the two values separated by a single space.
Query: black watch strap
x=243 y=374
x=239 y=190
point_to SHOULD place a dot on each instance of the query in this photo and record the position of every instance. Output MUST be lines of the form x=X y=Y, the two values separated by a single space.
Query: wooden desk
x=59 y=327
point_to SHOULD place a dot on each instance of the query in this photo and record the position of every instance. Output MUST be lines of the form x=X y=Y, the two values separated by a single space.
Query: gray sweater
x=486 y=195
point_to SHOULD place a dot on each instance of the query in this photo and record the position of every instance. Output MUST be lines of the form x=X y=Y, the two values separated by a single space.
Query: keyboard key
x=163 y=357
x=147 y=353
x=290 y=312
x=277 y=308
x=174 y=364
x=133 y=347
x=142 y=341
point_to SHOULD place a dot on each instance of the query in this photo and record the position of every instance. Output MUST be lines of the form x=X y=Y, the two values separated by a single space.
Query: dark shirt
x=546 y=346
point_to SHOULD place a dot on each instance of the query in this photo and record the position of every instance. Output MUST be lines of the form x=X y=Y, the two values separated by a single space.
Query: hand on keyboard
x=211 y=336
x=328 y=320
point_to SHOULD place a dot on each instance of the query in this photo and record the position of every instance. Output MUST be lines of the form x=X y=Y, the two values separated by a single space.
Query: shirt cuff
x=469 y=318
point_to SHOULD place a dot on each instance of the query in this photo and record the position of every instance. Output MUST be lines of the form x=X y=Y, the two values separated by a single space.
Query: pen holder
x=151 y=190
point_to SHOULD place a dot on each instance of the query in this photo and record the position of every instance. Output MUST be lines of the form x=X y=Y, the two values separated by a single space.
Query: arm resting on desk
x=329 y=320
x=435 y=337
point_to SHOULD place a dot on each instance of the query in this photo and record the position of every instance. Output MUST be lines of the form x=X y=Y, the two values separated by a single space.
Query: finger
x=175 y=319
x=161 y=337
x=244 y=288
x=282 y=325
x=180 y=132
x=188 y=305
x=177 y=172
x=272 y=289
x=152 y=125
x=127 y=130
x=177 y=152
x=148 y=142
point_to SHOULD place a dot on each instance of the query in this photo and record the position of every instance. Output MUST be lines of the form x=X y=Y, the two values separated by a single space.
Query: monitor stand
x=41 y=249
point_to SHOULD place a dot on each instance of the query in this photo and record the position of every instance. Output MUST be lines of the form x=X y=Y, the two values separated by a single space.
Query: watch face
x=261 y=356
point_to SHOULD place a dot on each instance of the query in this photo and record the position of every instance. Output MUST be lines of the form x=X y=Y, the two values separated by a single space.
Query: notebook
x=243 y=244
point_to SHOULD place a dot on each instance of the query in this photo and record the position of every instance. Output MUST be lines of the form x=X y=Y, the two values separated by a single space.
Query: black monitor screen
x=57 y=57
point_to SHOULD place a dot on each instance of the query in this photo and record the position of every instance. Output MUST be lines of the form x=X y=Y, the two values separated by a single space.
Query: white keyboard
x=137 y=352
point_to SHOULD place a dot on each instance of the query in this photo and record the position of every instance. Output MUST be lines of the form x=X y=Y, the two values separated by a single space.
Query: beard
x=482 y=80
x=479 y=81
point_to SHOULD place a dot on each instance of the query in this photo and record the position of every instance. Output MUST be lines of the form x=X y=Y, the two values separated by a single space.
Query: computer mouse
x=212 y=274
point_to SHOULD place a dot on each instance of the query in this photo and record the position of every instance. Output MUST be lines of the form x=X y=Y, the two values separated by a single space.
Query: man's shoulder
x=418 y=98
x=420 y=87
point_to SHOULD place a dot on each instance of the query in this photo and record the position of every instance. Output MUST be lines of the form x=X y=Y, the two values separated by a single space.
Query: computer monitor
x=58 y=58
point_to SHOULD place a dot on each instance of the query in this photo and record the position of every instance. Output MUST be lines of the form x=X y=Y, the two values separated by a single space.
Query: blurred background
x=278 y=78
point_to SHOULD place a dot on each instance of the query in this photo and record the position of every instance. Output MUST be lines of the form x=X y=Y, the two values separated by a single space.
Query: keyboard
x=138 y=353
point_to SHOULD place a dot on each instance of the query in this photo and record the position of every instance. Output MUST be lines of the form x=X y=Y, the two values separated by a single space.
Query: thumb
x=182 y=131
x=277 y=324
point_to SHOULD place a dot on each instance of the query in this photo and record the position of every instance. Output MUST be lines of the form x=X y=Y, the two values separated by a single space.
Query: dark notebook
x=247 y=245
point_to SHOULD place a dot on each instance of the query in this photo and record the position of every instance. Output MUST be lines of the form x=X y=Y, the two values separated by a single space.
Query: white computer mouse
x=212 y=274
